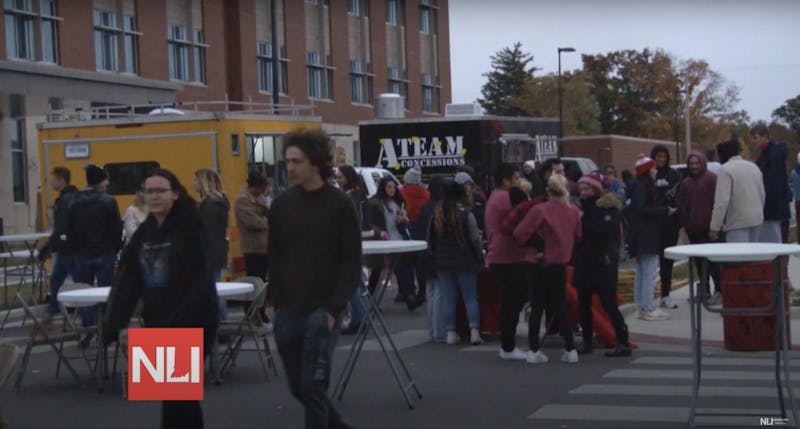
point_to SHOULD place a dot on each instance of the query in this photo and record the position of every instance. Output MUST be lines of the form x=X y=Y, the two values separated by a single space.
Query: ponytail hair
x=557 y=187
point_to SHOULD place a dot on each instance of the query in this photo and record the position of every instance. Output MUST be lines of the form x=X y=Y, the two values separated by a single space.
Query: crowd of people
x=534 y=228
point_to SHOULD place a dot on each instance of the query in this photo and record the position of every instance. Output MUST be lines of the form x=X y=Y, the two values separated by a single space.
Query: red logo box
x=165 y=364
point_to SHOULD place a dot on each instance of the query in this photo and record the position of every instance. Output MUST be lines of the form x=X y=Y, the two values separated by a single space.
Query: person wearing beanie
x=595 y=262
x=94 y=235
x=794 y=178
x=462 y=177
x=415 y=196
x=251 y=215
x=644 y=238
x=666 y=182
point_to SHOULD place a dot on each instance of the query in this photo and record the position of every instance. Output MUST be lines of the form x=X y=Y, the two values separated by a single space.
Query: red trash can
x=750 y=286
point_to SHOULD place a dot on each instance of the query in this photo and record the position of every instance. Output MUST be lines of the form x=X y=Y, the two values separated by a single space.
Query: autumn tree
x=511 y=70
x=540 y=99
x=789 y=114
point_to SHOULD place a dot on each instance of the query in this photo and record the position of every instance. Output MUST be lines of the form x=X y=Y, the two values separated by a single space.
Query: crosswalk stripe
x=673 y=390
x=675 y=374
x=719 y=361
x=647 y=414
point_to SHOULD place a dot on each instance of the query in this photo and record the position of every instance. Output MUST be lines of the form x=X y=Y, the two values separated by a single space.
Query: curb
x=630 y=308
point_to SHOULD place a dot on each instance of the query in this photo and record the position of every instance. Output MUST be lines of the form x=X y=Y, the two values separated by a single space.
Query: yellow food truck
x=129 y=142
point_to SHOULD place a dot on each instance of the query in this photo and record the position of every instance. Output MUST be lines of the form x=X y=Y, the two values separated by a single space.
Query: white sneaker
x=715 y=300
x=656 y=314
x=453 y=338
x=641 y=314
x=667 y=302
x=515 y=354
x=569 y=356
x=536 y=357
x=475 y=337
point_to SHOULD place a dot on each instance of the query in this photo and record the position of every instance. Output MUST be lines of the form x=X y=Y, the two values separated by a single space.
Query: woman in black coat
x=595 y=261
x=645 y=216
x=214 y=208
x=166 y=265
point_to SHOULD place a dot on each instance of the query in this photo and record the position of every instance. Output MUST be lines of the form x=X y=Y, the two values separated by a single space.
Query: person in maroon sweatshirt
x=695 y=206
x=558 y=223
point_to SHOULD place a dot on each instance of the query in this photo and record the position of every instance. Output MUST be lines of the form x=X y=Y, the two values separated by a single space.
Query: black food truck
x=440 y=146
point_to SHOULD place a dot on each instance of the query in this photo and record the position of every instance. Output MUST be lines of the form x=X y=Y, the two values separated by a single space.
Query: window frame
x=18 y=149
x=40 y=35
x=319 y=77
x=361 y=83
x=430 y=93
x=264 y=59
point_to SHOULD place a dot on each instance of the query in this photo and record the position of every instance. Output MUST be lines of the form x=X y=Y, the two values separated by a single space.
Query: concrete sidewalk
x=676 y=331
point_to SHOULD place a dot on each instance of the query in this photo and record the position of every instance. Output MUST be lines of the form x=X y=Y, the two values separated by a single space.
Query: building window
x=398 y=84
x=394 y=12
x=18 y=149
x=265 y=68
x=22 y=17
x=318 y=2
x=320 y=76
x=427 y=18
x=106 y=40
x=360 y=82
x=357 y=7
x=430 y=94
x=186 y=47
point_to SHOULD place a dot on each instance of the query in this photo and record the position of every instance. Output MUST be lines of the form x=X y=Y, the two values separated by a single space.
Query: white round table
x=19 y=238
x=98 y=295
x=738 y=252
x=386 y=247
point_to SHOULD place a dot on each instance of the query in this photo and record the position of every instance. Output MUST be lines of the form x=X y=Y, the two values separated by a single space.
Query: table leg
x=694 y=309
x=783 y=342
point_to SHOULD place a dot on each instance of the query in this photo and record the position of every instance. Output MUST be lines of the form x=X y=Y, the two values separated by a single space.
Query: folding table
x=31 y=267
x=738 y=252
x=374 y=322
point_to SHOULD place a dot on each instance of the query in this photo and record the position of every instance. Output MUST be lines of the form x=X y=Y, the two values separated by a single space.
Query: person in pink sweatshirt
x=558 y=223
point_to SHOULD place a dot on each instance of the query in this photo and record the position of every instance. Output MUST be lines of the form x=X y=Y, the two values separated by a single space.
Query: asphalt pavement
x=462 y=386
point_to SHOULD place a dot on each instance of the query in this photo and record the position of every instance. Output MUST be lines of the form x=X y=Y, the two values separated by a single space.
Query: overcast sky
x=753 y=44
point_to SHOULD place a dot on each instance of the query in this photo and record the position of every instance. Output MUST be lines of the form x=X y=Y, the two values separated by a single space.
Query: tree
x=540 y=97
x=511 y=70
x=789 y=114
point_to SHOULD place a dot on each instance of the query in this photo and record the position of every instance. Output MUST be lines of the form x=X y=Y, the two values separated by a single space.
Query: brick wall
x=76 y=34
x=151 y=16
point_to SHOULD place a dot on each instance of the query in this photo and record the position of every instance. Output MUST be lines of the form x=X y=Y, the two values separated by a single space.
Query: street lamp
x=560 y=107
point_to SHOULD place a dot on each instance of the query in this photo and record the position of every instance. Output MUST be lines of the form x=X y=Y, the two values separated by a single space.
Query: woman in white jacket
x=134 y=215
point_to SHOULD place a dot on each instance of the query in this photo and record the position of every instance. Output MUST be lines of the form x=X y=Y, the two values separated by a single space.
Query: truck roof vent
x=466 y=109
x=390 y=106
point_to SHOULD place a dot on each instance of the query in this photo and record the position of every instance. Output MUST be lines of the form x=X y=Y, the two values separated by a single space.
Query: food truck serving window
x=126 y=178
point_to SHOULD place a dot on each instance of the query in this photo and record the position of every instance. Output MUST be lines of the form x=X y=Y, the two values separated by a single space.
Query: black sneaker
x=621 y=351
x=585 y=349
x=413 y=303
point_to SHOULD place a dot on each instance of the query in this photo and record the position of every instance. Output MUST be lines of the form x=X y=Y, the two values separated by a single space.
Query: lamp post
x=560 y=106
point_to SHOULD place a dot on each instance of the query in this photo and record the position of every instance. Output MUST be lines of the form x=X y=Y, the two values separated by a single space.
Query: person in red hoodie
x=695 y=207
x=416 y=196
x=558 y=223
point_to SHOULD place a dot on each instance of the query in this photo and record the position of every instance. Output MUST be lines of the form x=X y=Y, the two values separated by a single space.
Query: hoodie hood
x=609 y=201
x=703 y=162
x=660 y=148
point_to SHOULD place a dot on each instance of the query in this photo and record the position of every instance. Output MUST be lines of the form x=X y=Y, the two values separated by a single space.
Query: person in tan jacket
x=251 y=214
x=738 y=198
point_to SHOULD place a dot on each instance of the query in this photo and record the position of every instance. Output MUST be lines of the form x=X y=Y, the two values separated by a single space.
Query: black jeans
x=255 y=265
x=669 y=238
x=306 y=345
x=187 y=414
x=404 y=273
x=713 y=269
x=608 y=297
x=548 y=287
x=513 y=282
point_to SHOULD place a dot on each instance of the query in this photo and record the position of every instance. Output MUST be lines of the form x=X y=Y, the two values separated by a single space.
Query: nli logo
x=165 y=364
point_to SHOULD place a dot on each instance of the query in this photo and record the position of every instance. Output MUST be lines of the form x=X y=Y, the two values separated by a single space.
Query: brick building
x=335 y=56
x=621 y=151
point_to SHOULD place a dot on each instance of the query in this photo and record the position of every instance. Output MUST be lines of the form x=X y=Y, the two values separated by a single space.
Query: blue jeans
x=436 y=328
x=63 y=266
x=645 y=282
x=89 y=270
x=306 y=346
x=451 y=282
x=357 y=310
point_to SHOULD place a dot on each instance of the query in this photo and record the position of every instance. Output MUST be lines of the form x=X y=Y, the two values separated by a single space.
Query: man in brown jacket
x=251 y=213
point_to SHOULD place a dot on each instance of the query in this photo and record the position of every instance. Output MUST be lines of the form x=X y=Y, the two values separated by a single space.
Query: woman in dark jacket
x=214 y=207
x=644 y=237
x=595 y=261
x=166 y=265
x=434 y=297
x=458 y=257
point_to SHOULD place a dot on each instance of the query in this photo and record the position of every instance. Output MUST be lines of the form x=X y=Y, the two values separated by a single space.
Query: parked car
x=372 y=176
x=574 y=168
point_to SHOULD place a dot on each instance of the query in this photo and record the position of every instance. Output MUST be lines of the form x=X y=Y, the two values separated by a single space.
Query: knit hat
x=530 y=164
x=462 y=178
x=413 y=176
x=644 y=164
x=593 y=179
x=94 y=174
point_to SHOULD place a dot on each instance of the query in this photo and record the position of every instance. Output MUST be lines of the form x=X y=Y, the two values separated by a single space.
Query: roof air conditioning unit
x=390 y=106
x=471 y=109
